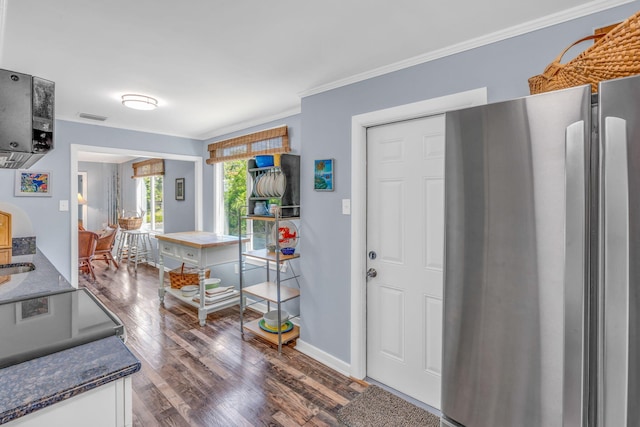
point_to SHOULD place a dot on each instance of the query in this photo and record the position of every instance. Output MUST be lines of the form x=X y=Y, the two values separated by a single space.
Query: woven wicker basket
x=613 y=55
x=182 y=276
x=131 y=223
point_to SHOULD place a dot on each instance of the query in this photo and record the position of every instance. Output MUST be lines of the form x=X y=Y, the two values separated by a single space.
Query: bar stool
x=122 y=245
x=135 y=246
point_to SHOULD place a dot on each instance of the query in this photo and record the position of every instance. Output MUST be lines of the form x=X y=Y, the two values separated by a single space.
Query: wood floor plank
x=285 y=420
x=310 y=382
x=142 y=416
x=292 y=403
x=322 y=419
x=175 y=399
x=213 y=376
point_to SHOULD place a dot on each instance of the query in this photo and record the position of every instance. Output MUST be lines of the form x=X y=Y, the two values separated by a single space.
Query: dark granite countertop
x=38 y=383
x=29 y=386
x=44 y=279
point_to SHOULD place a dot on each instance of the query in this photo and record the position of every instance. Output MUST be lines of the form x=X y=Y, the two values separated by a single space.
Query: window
x=229 y=158
x=234 y=200
x=150 y=191
x=235 y=194
x=150 y=201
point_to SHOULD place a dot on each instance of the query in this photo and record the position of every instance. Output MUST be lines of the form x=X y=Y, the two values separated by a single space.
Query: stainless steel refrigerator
x=542 y=261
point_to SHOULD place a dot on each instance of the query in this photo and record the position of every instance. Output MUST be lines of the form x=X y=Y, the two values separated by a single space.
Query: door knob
x=372 y=272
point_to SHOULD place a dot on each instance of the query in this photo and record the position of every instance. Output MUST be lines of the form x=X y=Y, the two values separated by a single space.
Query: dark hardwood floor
x=210 y=376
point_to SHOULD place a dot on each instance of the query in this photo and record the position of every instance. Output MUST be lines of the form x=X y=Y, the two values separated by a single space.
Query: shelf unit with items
x=275 y=185
x=280 y=232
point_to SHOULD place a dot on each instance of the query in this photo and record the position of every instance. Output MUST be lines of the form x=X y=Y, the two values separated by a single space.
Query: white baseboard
x=309 y=350
x=323 y=357
x=260 y=307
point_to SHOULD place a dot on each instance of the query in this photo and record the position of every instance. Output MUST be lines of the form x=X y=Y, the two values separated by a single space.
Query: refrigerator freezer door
x=515 y=262
x=619 y=296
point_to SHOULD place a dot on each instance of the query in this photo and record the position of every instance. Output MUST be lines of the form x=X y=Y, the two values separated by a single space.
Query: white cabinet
x=106 y=406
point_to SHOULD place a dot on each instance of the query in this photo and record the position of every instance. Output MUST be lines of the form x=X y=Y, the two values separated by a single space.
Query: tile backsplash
x=23 y=246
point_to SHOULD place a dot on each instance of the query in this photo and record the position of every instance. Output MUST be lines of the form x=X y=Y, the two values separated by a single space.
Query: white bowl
x=189 y=290
x=214 y=282
x=271 y=318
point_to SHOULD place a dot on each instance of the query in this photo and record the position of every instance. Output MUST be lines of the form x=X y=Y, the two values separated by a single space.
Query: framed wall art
x=324 y=178
x=179 y=188
x=32 y=183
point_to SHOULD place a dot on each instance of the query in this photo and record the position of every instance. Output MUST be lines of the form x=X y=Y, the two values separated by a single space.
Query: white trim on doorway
x=77 y=148
x=359 y=125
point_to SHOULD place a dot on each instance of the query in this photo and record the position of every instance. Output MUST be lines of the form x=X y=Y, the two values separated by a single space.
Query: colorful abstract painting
x=30 y=183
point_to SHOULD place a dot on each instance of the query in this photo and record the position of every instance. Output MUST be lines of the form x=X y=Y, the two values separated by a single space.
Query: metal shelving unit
x=280 y=185
x=276 y=290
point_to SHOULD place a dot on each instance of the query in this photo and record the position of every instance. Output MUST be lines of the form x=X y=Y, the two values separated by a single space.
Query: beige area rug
x=378 y=407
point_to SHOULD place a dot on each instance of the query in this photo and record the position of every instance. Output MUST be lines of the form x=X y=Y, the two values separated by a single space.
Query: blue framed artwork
x=324 y=175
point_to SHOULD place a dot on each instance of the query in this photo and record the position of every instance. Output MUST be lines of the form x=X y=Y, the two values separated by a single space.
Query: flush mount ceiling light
x=139 y=102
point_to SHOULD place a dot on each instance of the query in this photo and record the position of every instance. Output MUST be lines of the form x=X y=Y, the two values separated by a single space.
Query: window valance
x=270 y=141
x=148 y=168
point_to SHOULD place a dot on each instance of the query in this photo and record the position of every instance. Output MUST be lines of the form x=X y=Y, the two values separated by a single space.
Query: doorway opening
x=87 y=152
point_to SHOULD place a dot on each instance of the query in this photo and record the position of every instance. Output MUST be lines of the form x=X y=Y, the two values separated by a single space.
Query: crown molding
x=251 y=123
x=517 y=30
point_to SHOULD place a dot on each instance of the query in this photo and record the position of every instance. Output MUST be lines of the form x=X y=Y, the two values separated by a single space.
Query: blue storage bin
x=264 y=161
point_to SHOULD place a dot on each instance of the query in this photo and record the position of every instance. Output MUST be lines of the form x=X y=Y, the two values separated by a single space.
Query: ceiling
x=217 y=66
x=99 y=157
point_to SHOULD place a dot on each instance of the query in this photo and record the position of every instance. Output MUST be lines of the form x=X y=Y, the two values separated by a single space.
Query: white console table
x=200 y=249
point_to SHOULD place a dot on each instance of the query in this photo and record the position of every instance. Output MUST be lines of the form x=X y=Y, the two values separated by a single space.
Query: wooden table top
x=199 y=239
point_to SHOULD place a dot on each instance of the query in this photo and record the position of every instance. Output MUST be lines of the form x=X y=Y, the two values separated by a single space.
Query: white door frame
x=76 y=148
x=359 y=125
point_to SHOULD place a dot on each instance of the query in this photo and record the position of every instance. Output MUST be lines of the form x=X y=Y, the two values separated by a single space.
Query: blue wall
x=179 y=215
x=98 y=180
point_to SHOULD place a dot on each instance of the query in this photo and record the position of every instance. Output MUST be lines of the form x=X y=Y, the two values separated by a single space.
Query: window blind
x=148 y=168
x=270 y=141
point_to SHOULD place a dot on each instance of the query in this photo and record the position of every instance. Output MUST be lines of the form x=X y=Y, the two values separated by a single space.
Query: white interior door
x=405 y=230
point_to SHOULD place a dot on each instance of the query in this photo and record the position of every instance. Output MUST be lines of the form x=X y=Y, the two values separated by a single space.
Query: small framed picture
x=32 y=183
x=324 y=178
x=179 y=188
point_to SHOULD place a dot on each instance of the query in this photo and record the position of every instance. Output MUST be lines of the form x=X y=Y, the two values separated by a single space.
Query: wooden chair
x=104 y=247
x=87 y=241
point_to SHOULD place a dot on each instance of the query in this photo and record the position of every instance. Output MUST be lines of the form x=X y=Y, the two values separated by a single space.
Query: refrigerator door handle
x=614 y=288
x=574 y=271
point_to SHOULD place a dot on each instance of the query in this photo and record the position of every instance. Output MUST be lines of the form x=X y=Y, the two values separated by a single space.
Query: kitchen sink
x=16 y=268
